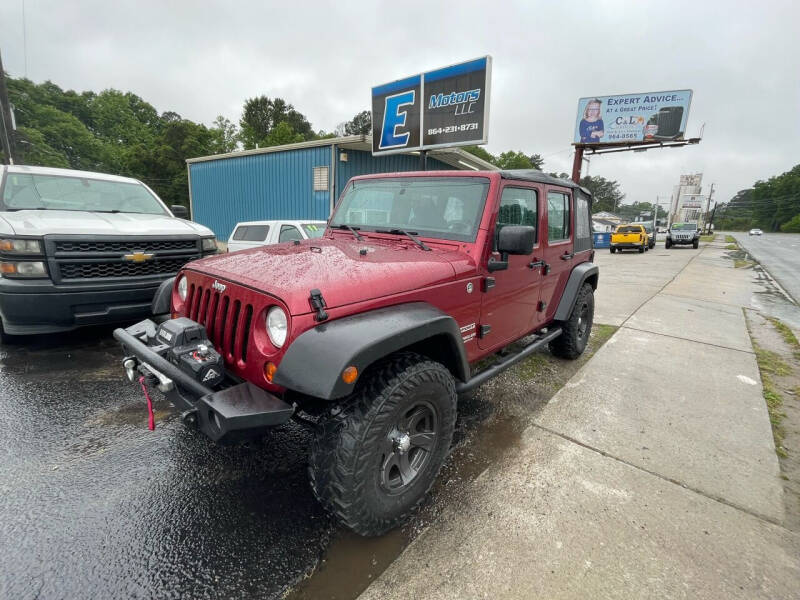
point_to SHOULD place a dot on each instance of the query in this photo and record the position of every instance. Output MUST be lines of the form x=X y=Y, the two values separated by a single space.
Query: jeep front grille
x=227 y=320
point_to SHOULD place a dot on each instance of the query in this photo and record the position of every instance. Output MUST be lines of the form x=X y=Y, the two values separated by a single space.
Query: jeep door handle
x=567 y=256
x=539 y=263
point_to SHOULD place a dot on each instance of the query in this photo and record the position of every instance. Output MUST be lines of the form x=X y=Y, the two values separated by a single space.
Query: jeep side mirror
x=513 y=239
x=179 y=211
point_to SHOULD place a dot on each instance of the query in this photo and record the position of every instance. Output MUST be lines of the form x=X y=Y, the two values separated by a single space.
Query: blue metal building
x=295 y=181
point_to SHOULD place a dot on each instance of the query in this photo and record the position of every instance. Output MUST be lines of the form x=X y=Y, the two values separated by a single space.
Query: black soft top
x=541 y=177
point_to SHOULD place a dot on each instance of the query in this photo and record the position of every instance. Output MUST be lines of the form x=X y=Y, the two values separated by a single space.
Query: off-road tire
x=349 y=445
x=696 y=244
x=576 y=329
x=667 y=244
x=641 y=249
x=613 y=250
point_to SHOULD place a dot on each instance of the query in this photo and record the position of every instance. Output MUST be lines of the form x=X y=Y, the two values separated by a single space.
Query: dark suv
x=683 y=234
x=371 y=332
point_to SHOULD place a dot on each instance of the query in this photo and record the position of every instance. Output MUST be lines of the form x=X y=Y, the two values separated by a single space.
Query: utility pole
x=707 y=224
x=6 y=135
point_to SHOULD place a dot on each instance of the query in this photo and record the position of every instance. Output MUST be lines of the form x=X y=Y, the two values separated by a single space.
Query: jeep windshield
x=23 y=191
x=449 y=208
x=683 y=226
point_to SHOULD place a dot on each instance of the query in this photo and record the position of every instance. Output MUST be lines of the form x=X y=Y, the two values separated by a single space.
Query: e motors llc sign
x=632 y=118
x=436 y=109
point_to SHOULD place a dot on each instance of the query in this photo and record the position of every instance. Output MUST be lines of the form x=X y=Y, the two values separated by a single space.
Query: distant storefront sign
x=632 y=118
x=445 y=107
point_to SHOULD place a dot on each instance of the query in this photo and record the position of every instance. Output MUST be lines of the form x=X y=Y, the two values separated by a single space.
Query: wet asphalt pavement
x=779 y=253
x=94 y=505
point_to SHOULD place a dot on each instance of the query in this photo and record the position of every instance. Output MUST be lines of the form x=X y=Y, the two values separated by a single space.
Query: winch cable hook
x=151 y=422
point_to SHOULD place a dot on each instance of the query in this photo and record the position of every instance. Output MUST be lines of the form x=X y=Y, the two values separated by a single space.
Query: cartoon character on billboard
x=591 y=126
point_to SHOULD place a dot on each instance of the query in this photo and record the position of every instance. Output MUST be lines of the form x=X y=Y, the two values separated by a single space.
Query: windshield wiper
x=409 y=234
x=28 y=208
x=114 y=211
x=352 y=229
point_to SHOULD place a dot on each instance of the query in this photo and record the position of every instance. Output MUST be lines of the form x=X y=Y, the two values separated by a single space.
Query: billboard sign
x=692 y=201
x=437 y=109
x=632 y=118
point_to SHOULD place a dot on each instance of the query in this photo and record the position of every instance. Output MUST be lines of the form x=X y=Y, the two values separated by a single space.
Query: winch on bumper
x=178 y=357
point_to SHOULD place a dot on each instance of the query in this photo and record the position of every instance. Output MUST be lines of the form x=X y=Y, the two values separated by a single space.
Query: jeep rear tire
x=613 y=250
x=641 y=249
x=576 y=329
x=373 y=461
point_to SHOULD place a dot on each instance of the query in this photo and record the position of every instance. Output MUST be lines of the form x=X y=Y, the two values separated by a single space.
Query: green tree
x=519 y=160
x=360 y=124
x=480 y=152
x=606 y=193
x=226 y=136
x=262 y=114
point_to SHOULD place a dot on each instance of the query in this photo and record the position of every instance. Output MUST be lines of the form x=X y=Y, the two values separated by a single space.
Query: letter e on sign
x=393 y=117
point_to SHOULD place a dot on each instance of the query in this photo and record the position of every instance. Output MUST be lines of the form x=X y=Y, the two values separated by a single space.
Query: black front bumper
x=38 y=306
x=235 y=412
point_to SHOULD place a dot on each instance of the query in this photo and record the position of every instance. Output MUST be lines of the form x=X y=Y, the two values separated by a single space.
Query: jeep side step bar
x=503 y=364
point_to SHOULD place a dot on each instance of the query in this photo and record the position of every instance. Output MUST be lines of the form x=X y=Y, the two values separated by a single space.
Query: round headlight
x=276 y=326
x=183 y=287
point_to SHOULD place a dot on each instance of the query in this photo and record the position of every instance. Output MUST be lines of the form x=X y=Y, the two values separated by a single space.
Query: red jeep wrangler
x=369 y=332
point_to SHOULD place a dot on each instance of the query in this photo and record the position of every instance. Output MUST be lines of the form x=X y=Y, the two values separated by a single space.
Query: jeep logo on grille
x=220 y=287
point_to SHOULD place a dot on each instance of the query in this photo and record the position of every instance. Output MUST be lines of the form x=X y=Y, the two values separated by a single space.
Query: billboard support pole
x=423 y=160
x=576 y=164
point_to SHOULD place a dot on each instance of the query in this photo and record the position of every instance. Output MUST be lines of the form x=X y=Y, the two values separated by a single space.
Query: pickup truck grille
x=226 y=318
x=115 y=258
x=126 y=246
x=95 y=270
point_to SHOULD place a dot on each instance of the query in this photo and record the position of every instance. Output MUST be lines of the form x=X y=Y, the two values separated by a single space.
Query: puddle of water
x=353 y=562
x=771 y=302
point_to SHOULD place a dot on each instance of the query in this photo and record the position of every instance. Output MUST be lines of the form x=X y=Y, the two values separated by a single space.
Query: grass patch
x=730 y=239
x=541 y=364
x=707 y=238
x=731 y=247
x=769 y=364
x=740 y=263
x=786 y=332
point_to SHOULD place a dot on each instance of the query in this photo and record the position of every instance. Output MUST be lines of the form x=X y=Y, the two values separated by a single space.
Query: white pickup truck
x=80 y=248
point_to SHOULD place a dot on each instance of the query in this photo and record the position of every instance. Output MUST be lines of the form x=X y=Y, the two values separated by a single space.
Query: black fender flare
x=162 y=299
x=580 y=274
x=314 y=361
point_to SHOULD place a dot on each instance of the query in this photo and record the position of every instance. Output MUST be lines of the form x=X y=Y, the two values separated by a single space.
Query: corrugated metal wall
x=362 y=163
x=277 y=185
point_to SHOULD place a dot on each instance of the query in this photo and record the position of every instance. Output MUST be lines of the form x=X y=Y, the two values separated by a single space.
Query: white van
x=251 y=234
x=80 y=248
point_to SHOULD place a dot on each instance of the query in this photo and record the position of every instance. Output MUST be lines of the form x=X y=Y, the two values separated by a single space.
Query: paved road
x=779 y=253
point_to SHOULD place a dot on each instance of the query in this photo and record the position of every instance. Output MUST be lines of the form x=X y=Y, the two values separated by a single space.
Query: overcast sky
x=201 y=59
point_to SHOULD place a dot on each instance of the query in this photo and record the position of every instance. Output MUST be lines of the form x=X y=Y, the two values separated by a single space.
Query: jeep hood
x=337 y=268
x=44 y=222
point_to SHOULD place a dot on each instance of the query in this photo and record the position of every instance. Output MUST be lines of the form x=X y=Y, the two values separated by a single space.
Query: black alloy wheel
x=408 y=446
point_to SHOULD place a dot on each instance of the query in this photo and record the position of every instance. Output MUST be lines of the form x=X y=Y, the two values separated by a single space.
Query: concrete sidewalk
x=652 y=473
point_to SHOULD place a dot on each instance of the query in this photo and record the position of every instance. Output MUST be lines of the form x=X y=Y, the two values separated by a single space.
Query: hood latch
x=318 y=304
